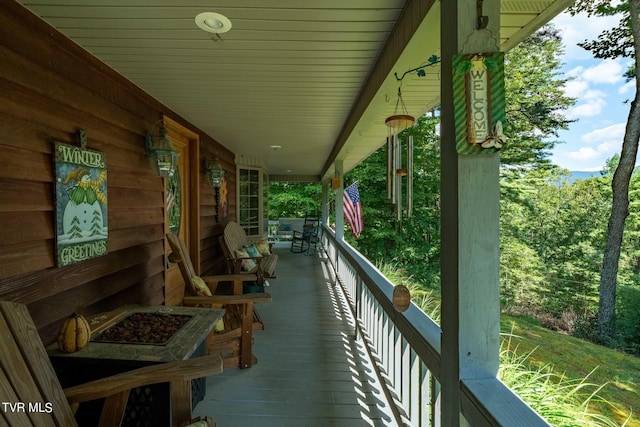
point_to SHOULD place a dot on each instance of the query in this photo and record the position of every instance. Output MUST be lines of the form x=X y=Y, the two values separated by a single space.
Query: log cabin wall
x=211 y=256
x=49 y=89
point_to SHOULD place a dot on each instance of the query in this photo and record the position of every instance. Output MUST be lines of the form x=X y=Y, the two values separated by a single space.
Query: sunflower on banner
x=353 y=209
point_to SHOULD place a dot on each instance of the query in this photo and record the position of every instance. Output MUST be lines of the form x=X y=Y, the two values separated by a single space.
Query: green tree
x=623 y=40
x=521 y=276
x=412 y=243
x=552 y=234
x=293 y=200
x=535 y=99
x=628 y=297
x=534 y=104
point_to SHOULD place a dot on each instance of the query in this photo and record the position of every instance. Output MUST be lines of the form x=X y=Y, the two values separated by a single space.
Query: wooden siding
x=50 y=88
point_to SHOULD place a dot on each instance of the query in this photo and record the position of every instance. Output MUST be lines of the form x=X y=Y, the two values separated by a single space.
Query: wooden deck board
x=311 y=371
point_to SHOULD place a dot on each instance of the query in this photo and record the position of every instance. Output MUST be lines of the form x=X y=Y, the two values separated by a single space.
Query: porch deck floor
x=310 y=371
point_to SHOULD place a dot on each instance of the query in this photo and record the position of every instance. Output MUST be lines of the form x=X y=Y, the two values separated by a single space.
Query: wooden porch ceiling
x=316 y=78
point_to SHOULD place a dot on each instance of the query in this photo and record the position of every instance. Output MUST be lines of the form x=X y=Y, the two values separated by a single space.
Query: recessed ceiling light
x=212 y=22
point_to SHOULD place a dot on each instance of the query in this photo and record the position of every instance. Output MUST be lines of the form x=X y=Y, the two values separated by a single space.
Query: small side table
x=147 y=405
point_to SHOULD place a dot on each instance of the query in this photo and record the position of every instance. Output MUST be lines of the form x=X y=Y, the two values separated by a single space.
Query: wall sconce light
x=214 y=172
x=163 y=159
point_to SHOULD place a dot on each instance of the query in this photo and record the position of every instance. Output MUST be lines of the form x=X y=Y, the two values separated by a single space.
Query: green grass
x=546 y=366
x=576 y=359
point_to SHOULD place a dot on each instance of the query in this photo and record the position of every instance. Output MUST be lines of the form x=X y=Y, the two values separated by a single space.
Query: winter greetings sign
x=81 y=203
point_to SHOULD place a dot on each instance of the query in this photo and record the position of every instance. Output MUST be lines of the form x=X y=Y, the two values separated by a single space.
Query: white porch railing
x=405 y=348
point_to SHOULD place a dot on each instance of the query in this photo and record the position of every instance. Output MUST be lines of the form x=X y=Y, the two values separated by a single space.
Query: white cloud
x=598 y=154
x=609 y=71
x=585 y=110
x=610 y=134
x=590 y=103
x=600 y=90
x=593 y=94
x=601 y=145
x=575 y=29
x=575 y=88
x=627 y=88
x=575 y=72
x=584 y=154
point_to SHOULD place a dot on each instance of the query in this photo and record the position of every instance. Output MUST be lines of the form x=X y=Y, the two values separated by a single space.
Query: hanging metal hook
x=482 y=20
x=82 y=138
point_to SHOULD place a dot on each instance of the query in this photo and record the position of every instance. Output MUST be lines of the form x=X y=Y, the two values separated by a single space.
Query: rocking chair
x=303 y=241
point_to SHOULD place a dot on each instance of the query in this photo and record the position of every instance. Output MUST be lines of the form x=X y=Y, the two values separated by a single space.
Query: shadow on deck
x=311 y=371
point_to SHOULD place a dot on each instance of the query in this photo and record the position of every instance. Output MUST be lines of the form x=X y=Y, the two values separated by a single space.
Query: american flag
x=353 y=209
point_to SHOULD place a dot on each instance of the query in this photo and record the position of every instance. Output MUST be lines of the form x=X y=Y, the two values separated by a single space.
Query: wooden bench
x=235 y=239
x=27 y=377
x=286 y=227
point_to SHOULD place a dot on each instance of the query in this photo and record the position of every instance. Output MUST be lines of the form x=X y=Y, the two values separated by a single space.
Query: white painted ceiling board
x=290 y=72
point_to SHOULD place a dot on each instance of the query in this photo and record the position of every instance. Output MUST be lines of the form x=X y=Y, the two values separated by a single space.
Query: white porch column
x=339 y=205
x=470 y=223
x=324 y=202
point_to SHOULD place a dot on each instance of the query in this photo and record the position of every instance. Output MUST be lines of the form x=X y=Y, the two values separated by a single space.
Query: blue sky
x=601 y=91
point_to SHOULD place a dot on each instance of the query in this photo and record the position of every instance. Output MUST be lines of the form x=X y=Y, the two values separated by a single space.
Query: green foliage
x=628 y=298
x=414 y=243
x=561 y=232
x=610 y=166
x=552 y=244
x=293 y=200
x=552 y=230
x=620 y=41
x=425 y=299
x=521 y=276
x=570 y=382
x=552 y=239
x=559 y=228
x=560 y=400
x=614 y=42
x=613 y=374
x=535 y=99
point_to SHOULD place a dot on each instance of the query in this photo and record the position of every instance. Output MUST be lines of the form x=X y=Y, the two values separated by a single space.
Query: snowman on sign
x=82 y=220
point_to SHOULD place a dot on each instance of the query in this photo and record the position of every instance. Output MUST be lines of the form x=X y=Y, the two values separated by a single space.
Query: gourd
x=401 y=298
x=74 y=334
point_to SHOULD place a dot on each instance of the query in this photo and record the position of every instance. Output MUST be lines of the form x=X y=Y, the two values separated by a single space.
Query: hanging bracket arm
x=433 y=60
x=482 y=20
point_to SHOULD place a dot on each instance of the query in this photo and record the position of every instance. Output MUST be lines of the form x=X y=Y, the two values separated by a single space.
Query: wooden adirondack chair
x=29 y=383
x=235 y=338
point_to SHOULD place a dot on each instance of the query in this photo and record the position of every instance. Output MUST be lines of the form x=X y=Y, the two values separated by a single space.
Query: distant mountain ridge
x=576 y=175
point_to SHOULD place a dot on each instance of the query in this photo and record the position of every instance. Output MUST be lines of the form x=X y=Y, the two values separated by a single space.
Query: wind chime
x=396 y=123
x=399 y=121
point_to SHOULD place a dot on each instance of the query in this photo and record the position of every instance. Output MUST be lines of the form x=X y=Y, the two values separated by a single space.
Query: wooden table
x=102 y=359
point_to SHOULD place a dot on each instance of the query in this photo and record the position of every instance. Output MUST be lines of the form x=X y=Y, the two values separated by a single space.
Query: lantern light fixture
x=163 y=158
x=214 y=172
